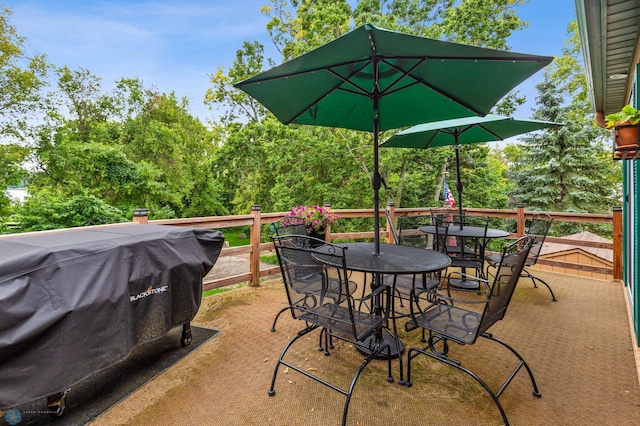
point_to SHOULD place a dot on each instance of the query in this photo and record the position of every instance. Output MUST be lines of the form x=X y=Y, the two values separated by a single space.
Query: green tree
x=484 y=177
x=21 y=78
x=130 y=148
x=21 y=81
x=483 y=23
x=171 y=145
x=564 y=169
x=12 y=157
x=237 y=105
x=299 y=26
x=47 y=210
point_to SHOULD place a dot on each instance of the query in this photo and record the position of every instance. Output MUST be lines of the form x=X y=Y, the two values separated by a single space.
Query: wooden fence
x=257 y=218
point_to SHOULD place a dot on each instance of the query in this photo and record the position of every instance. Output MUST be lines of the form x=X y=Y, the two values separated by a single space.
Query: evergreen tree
x=567 y=168
x=562 y=169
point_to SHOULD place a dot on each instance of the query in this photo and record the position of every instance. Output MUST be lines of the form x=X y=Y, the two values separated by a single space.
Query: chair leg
x=347 y=393
x=527 y=274
x=442 y=356
x=366 y=362
x=273 y=326
x=320 y=345
x=328 y=341
x=399 y=350
x=301 y=333
x=456 y=364
x=522 y=363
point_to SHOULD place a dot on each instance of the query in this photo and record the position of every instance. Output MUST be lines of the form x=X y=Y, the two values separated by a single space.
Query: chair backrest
x=392 y=226
x=338 y=310
x=538 y=228
x=441 y=242
x=442 y=218
x=440 y=237
x=409 y=233
x=318 y=286
x=337 y=286
x=283 y=227
x=480 y=242
x=302 y=274
x=473 y=246
x=506 y=278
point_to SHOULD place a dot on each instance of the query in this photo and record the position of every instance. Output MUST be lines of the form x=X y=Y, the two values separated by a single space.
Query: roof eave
x=609 y=34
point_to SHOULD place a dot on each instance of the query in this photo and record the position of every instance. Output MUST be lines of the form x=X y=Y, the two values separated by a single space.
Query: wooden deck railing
x=257 y=218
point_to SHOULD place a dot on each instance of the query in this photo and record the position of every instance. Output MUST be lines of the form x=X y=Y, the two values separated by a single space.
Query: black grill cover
x=74 y=303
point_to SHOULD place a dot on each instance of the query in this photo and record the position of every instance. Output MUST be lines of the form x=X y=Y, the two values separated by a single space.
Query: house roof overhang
x=609 y=31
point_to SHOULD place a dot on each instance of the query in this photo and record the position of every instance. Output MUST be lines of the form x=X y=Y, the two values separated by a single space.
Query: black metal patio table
x=467 y=231
x=393 y=259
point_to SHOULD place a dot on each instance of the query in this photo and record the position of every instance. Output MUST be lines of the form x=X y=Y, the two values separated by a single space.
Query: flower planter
x=318 y=236
x=316 y=219
x=626 y=141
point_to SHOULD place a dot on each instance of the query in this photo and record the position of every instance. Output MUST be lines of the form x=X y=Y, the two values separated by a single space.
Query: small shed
x=578 y=254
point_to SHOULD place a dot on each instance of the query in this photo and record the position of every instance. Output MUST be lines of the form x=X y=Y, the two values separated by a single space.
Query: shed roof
x=607 y=254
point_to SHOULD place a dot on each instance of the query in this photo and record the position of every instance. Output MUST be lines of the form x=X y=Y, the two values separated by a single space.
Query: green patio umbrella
x=461 y=131
x=373 y=79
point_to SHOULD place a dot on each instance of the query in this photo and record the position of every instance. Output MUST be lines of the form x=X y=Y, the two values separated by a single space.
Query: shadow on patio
x=579 y=349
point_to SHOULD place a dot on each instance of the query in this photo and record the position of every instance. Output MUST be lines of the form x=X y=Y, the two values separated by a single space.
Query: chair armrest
x=436 y=297
x=381 y=288
x=461 y=275
x=369 y=300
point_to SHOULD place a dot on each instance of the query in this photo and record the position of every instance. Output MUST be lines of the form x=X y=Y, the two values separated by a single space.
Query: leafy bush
x=46 y=211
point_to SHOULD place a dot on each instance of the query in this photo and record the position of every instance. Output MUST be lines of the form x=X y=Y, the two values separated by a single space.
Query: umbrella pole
x=459 y=182
x=375 y=182
x=375 y=179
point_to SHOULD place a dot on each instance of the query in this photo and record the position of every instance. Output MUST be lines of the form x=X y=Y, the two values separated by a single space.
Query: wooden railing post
x=520 y=218
x=617 y=243
x=391 y=208
x=141 y=216
x=254 y=257
x=327 y=233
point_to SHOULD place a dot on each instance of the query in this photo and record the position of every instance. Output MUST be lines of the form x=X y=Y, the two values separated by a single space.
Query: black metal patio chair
x=538 y=228
x=282 y=227
x=447 y=322
x=403 y=287
x=333 y=310
x=409 y=234
x=466 y=253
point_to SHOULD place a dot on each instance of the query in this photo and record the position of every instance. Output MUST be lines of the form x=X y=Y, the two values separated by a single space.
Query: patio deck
x=579 y=348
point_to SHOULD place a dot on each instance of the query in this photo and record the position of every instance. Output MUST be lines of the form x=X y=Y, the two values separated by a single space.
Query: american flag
x=448 y=196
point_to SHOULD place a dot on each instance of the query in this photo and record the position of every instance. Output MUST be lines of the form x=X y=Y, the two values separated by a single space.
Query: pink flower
x=314 y=217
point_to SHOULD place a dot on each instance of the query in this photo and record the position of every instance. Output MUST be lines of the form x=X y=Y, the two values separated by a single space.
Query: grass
x=269 y=258
x=221 y=290
x=237 y=236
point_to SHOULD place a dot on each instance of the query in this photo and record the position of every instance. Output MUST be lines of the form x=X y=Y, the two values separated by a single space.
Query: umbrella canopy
x=373 y=79
x=464 y=131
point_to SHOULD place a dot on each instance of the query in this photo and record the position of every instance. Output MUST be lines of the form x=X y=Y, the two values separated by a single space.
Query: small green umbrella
x=373 y=79
x=461 y=131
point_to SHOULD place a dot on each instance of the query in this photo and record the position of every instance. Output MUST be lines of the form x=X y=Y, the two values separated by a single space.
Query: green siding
x=631 y=180
x=633 y=264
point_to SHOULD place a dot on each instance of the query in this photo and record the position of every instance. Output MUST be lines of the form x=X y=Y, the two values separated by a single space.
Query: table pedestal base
x=464 y=284
x=388 y=339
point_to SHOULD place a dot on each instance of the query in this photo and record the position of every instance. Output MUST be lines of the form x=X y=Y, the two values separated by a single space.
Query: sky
x=173 y=45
